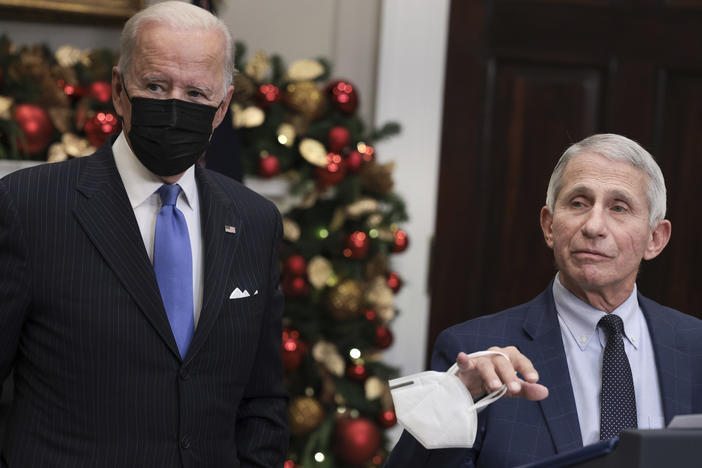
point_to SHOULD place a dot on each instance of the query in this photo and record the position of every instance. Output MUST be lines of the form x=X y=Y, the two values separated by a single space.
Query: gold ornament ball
x=345 y=300
x=377 y=266
x=259 y=66
x=291 y=230
x=304 y=415
x=377 y=178
x=319 y=269
x=306 y=98
x=305 y=69
x=6 y=107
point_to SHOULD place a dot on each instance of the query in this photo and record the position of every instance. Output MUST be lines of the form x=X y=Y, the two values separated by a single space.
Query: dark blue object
x=580 y=455
x=224 y=152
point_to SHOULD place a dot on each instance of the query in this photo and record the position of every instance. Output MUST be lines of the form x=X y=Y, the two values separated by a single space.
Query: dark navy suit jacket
x=514 y=431
x=98 y=378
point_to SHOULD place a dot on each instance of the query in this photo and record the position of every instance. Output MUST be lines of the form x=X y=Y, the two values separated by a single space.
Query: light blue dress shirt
x=584 y=345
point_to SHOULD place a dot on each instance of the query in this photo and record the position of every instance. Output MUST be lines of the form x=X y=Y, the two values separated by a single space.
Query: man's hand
x=486 y=374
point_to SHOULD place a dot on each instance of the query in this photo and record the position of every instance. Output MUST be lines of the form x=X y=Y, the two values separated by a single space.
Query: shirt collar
x=139 y=182
x=581 y=319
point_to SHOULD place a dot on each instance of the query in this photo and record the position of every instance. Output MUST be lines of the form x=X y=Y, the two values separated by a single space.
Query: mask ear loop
x=124 y=87
x=491 y=397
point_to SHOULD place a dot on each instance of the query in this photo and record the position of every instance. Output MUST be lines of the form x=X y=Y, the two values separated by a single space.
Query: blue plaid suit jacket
x=98 y=377
x=514 y=431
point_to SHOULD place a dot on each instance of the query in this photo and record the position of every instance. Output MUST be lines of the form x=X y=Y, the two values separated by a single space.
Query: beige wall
x=57 y=34
x=342 y=31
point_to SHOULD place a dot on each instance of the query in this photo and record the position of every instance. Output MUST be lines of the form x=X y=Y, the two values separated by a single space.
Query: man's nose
x=176 y=94
x=595 y=224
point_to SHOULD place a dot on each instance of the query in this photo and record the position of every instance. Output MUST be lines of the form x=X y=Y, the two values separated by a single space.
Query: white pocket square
x=239 y=294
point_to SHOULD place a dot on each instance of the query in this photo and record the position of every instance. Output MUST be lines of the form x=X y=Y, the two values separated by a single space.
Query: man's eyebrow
x=622 y=195
x=584 y=190
x=152 y=77
x=577 y=190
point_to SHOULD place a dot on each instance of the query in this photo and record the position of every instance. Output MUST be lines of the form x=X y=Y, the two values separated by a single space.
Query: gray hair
x=178 y=15
x=616 y=148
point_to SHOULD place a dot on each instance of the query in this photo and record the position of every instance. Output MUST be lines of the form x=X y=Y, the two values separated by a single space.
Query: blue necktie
x=173 y=265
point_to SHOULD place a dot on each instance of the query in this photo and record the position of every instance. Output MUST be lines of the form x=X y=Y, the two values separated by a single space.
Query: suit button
x=185 y=442
x=184 y=374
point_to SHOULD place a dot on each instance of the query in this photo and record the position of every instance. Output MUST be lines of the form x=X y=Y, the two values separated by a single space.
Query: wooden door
x=524 y=80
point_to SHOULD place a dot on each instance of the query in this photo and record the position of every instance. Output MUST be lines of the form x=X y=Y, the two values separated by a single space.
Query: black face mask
x=169 y=135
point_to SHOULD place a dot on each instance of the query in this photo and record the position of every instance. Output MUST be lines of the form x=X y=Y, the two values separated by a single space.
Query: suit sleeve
x=14 y=288
x=261 y=426
x=409 y=452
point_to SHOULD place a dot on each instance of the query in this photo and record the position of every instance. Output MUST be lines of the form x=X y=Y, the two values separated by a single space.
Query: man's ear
x=660 y=235
x=547 y=225
x=222 y=111
x=117 y=90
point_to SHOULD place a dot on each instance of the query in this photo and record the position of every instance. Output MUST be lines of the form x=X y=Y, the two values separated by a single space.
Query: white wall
x=410 y=90
x=342 y=31
x=57 y=34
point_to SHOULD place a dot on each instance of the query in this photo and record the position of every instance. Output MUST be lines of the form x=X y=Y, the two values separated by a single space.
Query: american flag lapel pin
x=230 y=229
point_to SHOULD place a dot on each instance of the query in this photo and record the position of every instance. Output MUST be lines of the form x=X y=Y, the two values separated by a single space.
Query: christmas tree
x=54 y=106
x=341 y=224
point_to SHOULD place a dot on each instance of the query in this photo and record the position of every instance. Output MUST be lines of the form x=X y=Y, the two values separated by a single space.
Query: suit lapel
x=548 y=356
x=216 y=211
x=106 y=216
x=673 y=367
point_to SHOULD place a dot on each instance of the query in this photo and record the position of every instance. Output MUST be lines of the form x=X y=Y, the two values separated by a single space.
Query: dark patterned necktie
x=617 y=400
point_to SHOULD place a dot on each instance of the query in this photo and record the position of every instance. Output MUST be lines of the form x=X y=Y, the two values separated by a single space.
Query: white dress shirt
x=584 y=344
x=141 y=185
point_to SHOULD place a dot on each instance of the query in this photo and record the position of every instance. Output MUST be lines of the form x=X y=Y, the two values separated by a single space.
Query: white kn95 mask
x=437 y=408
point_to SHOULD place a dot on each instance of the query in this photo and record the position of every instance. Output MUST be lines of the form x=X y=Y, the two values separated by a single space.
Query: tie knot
x=169 y=194
x=612 y=324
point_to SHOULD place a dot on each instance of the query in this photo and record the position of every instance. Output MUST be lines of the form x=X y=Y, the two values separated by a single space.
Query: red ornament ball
x=338 y=138
x=100 y=127
x=290 y=464
x=356 y=441
x=268 y=166
x=357 y=245
x=293 y=349
x=72 y=90
x=357 y=372
x=295 y=265
x=333 y=172
x=370 y=315
x=295 y=286
x=354 y=161
x=367 y=151
x=400 y=241
x=267 y=95
x=394 y=282
x=36 y=127
x=383 y=337
x=387 y=418
x=343 y=96
x=100 y=91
